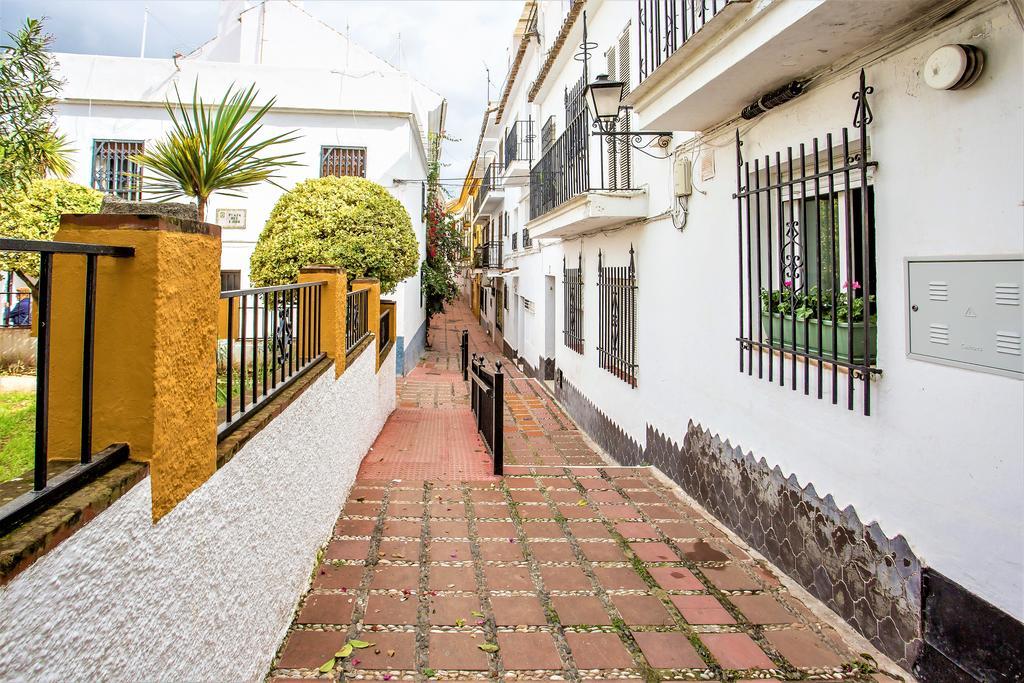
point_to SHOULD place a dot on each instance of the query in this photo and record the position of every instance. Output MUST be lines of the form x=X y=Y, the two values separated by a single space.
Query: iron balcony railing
x=47 y=490
x=577 y=162
x=488 y=255
x=519 y=143
x=356 y=319
x=272 y=339
x=664 y=25
x=492 y=177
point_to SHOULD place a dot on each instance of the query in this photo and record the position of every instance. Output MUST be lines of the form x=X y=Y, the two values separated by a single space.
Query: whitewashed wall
x=939 y=460
x=207 y=593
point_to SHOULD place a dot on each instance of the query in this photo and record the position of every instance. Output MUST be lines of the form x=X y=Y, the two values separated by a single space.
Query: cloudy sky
x=443 y=44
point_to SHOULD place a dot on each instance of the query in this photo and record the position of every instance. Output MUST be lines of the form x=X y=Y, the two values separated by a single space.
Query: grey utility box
x=967 y=312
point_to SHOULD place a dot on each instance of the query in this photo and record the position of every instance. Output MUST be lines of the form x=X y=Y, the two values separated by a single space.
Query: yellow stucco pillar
x=332 y=310
x=372 y=305
x=155 y=347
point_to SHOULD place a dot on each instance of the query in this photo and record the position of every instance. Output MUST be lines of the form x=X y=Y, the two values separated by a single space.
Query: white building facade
x=875 y=458
x=355 y=114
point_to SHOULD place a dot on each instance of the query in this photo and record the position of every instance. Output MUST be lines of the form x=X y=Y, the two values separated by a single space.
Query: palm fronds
x=214 y=149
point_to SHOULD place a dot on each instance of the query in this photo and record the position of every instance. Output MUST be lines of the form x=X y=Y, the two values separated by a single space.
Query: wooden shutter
x=624 y=164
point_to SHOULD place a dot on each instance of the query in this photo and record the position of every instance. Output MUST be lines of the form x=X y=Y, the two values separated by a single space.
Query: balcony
x=583 y=183
x=699 y=69
x=518 y=154
x=492 y=191
x=488 y=255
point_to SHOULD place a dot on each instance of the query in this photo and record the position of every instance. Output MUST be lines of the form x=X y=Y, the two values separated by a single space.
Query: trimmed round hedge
x=349 y=222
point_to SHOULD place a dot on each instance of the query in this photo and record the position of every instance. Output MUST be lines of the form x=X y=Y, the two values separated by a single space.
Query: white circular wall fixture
x=953 y=67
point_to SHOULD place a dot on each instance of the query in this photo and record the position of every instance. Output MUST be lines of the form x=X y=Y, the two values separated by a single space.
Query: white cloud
x=444 y=44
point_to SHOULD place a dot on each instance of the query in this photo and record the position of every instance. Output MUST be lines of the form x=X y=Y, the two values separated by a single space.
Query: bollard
x=499 y=419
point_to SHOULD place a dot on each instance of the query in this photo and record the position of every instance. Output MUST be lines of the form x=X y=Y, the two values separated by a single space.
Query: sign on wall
x=231 y=218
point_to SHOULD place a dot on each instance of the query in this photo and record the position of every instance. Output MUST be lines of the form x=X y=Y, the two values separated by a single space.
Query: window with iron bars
x=572 y=303
x=342 y=161
x=807 y=264
x=113 y=171
x=547 y=134
x=616 y=346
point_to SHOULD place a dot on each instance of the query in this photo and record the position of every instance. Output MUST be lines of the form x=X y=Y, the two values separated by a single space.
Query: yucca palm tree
x=213 y=149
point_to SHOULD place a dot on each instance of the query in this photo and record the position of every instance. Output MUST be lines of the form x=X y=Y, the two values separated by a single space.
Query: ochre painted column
x=372 y=306
x=332 y=310
x=155 y=347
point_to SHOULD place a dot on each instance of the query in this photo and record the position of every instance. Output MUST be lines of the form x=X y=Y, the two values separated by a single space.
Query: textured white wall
x=208 y=592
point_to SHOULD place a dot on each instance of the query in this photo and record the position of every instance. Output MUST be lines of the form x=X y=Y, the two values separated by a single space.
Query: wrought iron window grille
x=342 y=161
x=113 y=171
x=806 y=262
x=572 y=305
x=616 y=348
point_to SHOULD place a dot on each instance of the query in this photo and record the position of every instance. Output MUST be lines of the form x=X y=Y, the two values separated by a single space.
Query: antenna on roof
x=487 y=71
x=145 y=27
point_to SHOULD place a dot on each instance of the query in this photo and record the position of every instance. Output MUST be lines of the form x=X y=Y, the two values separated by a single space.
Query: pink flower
x=788 y=283
x=854 y=285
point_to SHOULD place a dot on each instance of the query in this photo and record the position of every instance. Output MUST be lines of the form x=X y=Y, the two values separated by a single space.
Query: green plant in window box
x=814 y=315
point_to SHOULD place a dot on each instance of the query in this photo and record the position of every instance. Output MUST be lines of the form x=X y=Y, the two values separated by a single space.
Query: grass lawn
x=17 y=432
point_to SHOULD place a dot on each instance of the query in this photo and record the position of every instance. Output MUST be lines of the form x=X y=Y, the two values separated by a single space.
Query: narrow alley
x=565 y=568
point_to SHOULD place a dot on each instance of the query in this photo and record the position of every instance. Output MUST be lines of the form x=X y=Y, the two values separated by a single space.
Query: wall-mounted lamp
x=604 y=100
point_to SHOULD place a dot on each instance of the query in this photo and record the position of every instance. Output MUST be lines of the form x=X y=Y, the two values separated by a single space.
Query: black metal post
x=42 y=369
x=464 y=355
x=498 y=415
x=87 y=356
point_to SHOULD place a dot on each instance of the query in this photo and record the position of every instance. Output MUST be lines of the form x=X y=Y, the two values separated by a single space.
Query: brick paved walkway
x=563 y=569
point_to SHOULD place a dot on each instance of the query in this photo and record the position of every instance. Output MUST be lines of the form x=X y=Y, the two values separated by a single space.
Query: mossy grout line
x=421 y=653
x=494 y=662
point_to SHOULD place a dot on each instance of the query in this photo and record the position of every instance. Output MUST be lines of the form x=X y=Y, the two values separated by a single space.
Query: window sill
x=40 y=534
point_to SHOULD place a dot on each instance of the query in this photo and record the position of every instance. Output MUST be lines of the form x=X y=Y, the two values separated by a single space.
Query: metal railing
x=519 y=142
x=616 y=302
x=45 y=490
x=277 y=334
x=665 y=25
x=488 y=255
x=515 y=241
x=384 y=332
x=527 y=240
x=487 y=398
x=492 y=177
x=577 y=162
x=356 y=318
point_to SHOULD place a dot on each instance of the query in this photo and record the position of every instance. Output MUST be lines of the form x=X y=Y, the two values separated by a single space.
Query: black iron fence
x=576 y=162
x=519 y=142
x=487 y=398
x=356 y=318
x=488 y=255
x=807 y=262
x=272 y=338
x=46 y=490
x=616 y=345
x=665 y=25
x=491 y=180
x=384 y=331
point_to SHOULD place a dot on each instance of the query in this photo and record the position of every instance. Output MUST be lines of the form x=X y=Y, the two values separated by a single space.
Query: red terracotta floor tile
x=457 y=651
x=602 y=552
x=354 y=527
x=803 y=648
x=441 y=528
x=668 y=650
x=589 y=530
x=449 y=551
x=508 y=578
x=324 y=608
x=675 y=578
x=542 y=530
x=334 y=577
x=642 y=610
x=619 y=578
x=517 y=610
x=379 y=656
x=635 y=530
x=452 y=578
x=395 y=578
x=702 y=609
x=763 y=609
x=577 y=610
x=654 y=552
x=528 y=651
x=736 y=651
x=730 y=578
x=403 y=551
x=448 y=610
x=309 y=649
x=347 y=550
x=391 y=609
x=598 y=651
x=701 y=551
x=496 y=530
x=564 y=578
x=402 y=528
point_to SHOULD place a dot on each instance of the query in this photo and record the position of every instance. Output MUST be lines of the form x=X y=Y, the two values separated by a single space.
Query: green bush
x=34 y=214
x=348 y=222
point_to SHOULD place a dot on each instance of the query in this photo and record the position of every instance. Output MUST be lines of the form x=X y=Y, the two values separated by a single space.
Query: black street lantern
x=604 y=98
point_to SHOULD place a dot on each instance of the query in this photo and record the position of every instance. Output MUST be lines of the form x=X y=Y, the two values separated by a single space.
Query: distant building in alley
x=357 y=115
x=797 y=291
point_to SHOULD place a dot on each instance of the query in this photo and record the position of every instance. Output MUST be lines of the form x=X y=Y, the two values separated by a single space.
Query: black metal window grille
x=113 y=171
x=230 y=279
x=547 y=134
x=616 y=348
x=499 y=305
x=356 y=318
x=272 y=339
x=48 y=490
x=342 y=161
x=384 y=331
x=806 y=262
x=489 y=255
x=664 y=25
x=519 y=142
x=572 y=305
x=527 y=240
x=515 y=241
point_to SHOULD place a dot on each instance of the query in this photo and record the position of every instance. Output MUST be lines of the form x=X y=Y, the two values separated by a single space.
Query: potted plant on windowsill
x=815 y=316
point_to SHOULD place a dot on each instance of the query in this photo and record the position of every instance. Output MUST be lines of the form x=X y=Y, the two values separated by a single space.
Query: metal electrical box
x=967 y=312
